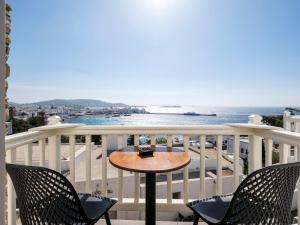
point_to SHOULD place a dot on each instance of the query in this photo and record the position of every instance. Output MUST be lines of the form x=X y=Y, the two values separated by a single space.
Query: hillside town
x=25 y=111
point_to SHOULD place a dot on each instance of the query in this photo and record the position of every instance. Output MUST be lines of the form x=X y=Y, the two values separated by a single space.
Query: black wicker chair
x=46 y=197
x=264 y=197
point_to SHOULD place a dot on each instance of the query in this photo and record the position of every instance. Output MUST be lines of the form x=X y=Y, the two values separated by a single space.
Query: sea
x=173 y=115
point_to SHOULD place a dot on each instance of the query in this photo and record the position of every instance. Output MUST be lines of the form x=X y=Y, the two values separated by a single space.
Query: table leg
x=150 y=198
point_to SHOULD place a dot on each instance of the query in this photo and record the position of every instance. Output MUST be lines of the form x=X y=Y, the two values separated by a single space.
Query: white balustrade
x=254 y=130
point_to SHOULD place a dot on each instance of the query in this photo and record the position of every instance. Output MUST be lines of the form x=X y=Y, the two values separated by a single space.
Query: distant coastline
x=157 y=115
x=185 y=114
x=170 y=106
x=96 y=112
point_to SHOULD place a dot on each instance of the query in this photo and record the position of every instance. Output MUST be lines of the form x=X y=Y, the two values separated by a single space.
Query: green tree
x=161 y=140
x=97 y=139
x=276 y=121
x=245 y=169
x=275 y=157
x=64 y=139
x=20 y=125
x=39 y=120
x=130 y=140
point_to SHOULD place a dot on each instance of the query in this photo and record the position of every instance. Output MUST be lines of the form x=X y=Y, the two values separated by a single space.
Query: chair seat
x=211 y=210
x=95 y=206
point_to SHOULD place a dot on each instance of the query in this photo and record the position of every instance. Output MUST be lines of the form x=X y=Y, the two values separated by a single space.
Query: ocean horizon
x=172 y=116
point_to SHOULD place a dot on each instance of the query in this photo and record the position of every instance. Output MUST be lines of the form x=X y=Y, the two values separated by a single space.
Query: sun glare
x=159 y=4
x=160 y=7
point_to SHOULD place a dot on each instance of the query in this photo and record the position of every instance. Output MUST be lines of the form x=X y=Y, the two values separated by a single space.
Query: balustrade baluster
x=169 y=175
x=120 y=172
x=88 y=163
x=136 y=175
x=54 y=152
x=72 y=158
x=42 y=152
x=237 y=171
x=202 y=166
x=104 y=165
x=219 y=165
x=28 y=155
x=283 y=153
x=268 y=151
x=186 y=145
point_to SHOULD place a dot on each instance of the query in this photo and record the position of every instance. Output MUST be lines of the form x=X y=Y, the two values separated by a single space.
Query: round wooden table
x=165 y=159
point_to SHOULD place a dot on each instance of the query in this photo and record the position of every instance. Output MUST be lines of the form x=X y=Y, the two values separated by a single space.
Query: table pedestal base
x=150 y=198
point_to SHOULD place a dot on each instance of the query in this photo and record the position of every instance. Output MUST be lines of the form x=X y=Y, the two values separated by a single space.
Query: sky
x=153 y=52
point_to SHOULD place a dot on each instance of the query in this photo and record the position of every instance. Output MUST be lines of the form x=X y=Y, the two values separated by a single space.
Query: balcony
x=86 y=164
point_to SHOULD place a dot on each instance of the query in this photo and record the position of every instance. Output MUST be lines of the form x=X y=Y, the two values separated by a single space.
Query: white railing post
x=269 y=151
x=42 y=152
x=297 y=127
x=72 y=158
x=169 y=175
x=285 y=150
x=120 y=172
x=186 y=144
x=11 y=194
x=88 y=163
x=202 y=166
x=255 y=146
x=54 y=158
x=136 y=175
x=297 y=130
x=219 y=165
x=153 y=139
x=104 y=165
x=237 y=171
x=283 y=153
x=28 y=155
x=286 y=120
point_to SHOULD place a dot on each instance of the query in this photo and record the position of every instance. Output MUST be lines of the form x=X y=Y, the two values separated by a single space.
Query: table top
x=165 y=159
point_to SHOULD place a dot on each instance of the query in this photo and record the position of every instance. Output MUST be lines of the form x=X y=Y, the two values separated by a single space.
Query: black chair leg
x=107 y=219
x=196 y=220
